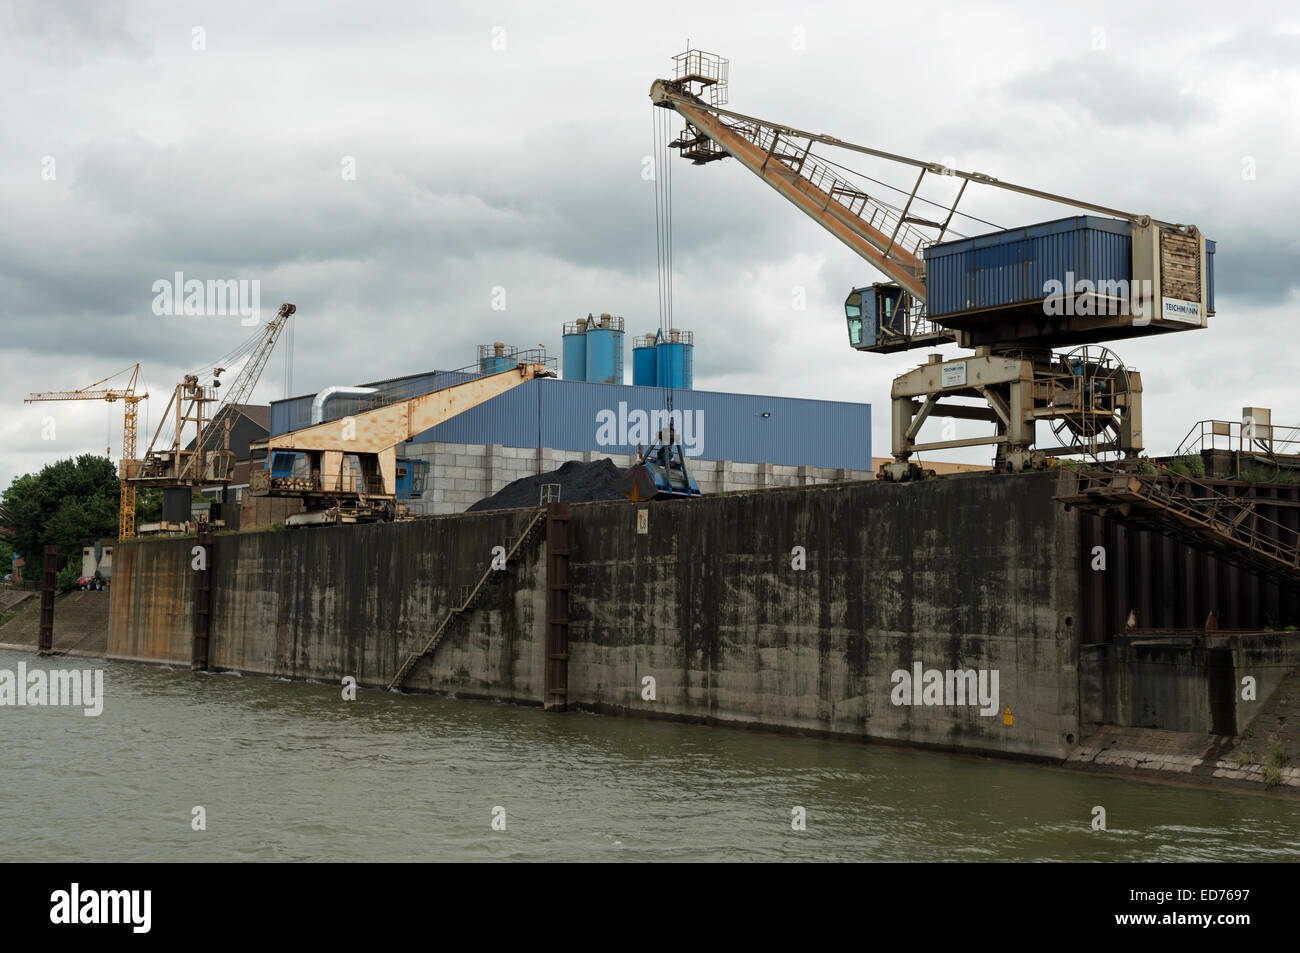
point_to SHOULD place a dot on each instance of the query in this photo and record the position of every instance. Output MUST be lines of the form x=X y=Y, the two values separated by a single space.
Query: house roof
x=258 y=414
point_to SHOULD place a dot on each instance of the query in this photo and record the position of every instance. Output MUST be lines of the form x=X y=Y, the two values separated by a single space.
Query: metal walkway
x=1221 y=519
x=469 y=598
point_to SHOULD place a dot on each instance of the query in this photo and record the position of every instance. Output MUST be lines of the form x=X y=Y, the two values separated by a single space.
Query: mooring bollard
x=49 y=576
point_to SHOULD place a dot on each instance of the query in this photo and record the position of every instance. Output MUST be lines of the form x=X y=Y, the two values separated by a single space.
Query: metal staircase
x=470 y=596
x=1221 y=519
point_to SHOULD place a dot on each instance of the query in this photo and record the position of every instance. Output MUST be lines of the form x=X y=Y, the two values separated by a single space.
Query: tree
x=148 y=504
x=68 y=504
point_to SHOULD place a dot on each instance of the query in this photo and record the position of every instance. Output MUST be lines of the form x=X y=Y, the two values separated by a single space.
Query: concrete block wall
x=462 y=474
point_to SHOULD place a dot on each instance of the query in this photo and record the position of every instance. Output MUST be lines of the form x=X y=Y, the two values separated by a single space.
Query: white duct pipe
x=329 y=393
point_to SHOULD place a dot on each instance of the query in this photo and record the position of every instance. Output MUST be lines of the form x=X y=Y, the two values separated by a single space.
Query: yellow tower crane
x=126 y=517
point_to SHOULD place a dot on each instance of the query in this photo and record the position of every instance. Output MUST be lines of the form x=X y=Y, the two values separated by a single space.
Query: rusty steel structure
x=558 y=536
x=205 y=459
x=199 y=657
x=1095 y=409
x=1160 y=582
x=49 y=578
x=1246 y=525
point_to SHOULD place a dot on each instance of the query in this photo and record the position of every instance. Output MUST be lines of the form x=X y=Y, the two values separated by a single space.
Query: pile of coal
x=579 y=483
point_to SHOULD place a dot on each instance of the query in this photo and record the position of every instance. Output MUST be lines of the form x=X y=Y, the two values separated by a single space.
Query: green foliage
x=148 y=505
x=1190 y=465
x=1272 y=775
x=68 y=575
x=1253 y=473
x=68 y=504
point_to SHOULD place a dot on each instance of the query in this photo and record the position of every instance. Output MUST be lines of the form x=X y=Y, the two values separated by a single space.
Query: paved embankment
x=80 y=623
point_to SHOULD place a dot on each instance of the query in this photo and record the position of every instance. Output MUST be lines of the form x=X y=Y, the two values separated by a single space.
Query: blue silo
x=495 y=357
x=675 y=360
x=605 y=349
x=644 y=360
x=574 y=351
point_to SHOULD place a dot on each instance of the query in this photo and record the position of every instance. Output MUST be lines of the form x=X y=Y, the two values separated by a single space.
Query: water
x=288 y=771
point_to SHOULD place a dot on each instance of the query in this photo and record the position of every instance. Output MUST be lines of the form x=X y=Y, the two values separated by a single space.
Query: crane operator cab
x=874 y=314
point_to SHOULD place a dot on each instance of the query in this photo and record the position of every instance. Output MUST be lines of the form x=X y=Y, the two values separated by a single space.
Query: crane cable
x=240 y=351
x=661 y=169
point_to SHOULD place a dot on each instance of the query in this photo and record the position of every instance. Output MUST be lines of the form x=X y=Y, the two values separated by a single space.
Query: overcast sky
x=502 y=145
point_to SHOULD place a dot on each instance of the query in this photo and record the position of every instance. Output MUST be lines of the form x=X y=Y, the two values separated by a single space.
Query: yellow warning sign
x=1006 y=717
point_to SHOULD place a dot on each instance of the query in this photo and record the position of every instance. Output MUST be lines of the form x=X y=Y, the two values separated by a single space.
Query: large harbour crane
x=129 y=398
x=937 y=291
x=346 y=470
x=207 y=458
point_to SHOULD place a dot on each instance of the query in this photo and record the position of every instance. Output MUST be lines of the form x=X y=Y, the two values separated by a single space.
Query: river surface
x=289 y=771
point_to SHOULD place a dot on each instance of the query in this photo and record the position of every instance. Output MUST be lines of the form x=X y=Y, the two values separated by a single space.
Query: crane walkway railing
x=469 y=597
x=794 y=158
x=1222 y=520
x=798 y=160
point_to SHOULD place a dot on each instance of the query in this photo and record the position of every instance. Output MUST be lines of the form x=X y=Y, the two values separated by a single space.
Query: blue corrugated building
x=612 y=418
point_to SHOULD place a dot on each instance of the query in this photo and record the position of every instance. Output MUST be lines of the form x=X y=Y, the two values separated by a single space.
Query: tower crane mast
x=129 y=398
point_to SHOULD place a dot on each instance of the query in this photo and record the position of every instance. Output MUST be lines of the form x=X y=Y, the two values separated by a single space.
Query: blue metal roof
x=611 y=418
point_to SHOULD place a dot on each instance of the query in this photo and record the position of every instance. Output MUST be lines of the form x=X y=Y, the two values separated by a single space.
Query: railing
x=1244 y=436
x=841 y=191
x=707 y=69
x=919 y=325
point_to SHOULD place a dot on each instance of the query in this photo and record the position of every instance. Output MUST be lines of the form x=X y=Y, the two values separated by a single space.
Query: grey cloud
x=1105 y=89
x=78 y=32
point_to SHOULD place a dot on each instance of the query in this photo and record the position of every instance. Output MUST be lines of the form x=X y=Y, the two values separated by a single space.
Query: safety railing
x=840 y=190
x=1245 y=436
x=707 y=69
